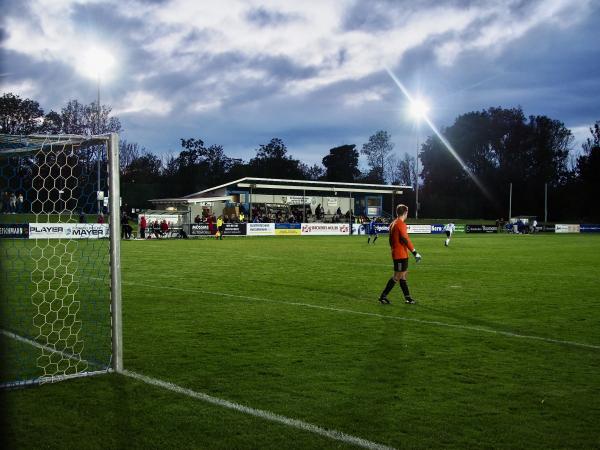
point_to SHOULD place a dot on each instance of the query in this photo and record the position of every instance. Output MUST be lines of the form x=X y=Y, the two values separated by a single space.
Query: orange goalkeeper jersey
x=399 y=240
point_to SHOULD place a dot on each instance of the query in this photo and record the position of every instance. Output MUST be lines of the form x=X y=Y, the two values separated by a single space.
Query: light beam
x=417 y=105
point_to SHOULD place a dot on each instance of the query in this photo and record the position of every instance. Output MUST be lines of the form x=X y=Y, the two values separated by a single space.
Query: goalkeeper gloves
x=416 y=255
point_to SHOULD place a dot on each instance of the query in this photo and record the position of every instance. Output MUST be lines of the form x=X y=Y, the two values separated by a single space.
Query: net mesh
x=55 y=258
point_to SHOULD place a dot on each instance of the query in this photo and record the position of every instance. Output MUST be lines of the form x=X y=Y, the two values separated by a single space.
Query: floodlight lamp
x=419 y=109
x=96 y=63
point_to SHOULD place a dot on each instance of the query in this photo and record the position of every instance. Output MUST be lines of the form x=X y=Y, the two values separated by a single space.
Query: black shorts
x=401 y=265
x=448 y=233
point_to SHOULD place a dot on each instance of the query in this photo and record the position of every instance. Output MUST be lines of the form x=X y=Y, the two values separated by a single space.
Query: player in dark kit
x=372 y=231
x=400 y=244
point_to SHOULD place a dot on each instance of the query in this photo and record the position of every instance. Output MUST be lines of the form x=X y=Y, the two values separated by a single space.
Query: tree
x=272 y=161
x=403 y=171
x=342 y=164
x=312 y=173
x=377 y=150
x=588 y=171
x=19 y=116
x=128 y=152
x=143 y=169
x=52 y=123
x=497 y=147
x=78 y=118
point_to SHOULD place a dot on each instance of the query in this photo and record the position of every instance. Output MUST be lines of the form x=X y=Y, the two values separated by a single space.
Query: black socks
x=404 y=287
x=388 y=287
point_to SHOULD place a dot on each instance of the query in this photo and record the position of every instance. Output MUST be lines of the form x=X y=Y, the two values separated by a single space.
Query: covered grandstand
x=279 y=200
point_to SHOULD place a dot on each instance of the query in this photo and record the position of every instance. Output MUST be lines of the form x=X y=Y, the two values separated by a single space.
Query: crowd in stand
x=11 y=202
x=293 y=214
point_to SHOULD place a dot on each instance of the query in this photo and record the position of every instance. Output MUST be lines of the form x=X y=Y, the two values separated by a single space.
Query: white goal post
x=60 y=270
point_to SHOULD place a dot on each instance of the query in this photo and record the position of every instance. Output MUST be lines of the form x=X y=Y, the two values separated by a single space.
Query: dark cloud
x=10 y=8
x=263 y=17
x=195 y=36
x=548 y=71
x=105 y=19
x=368 y=16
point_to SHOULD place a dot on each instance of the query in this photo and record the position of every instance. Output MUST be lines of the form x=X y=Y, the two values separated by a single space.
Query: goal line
x=261 y=414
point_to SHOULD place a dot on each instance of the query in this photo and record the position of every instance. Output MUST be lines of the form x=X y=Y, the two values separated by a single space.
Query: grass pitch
x=502 y=349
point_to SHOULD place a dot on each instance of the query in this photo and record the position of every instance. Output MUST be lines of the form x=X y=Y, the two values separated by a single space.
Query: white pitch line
x=49 y=378
x=362 y=313
x=260 y=413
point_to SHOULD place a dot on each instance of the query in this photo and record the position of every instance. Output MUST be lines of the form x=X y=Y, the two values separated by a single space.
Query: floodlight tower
x=418 y=110
x=97 y=64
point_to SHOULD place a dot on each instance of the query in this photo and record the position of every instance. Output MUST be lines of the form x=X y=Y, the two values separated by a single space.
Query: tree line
x=489 y=151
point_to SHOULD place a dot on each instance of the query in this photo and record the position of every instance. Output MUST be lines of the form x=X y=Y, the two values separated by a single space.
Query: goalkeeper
x=401 y=245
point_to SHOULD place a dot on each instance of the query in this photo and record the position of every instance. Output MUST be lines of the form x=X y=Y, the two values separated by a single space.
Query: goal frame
x=111 y=140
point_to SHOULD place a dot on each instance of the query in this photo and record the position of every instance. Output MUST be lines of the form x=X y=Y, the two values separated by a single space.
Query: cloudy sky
x=311 y=72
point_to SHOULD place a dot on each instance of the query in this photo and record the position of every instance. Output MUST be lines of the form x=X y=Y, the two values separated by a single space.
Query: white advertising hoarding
x=298 y=200
x=315 y=229
x=332 y=201
x=566 y=228
x=68 y=230
x=260 y=229
x=419 y=229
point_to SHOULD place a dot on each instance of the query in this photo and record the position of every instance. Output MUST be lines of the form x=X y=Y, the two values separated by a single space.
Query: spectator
x=13 y=203
x=82 y=218
x=143 y=225
x=128 y=230
x=220 y=228
x=156 y=228
x=197 y=219
x=211 y=224
x=20 y=203
x=124 y=224
x=164 y=228
x=100 y=218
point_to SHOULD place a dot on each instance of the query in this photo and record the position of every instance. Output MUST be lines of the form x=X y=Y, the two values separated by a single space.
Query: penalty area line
x=262 y=414
x=363 y=313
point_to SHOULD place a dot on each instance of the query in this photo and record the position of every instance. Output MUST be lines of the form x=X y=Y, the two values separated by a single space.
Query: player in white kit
x=449 y=229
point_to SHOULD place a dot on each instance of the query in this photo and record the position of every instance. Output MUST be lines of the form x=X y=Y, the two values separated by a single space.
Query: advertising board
x=359 y=228
x=200 y=229
x=567 y=228
x=589 y=228
x=419 y=229
x=234 y=229
x=437 y=228
x=14 y=230
x=68 y=230
x=298 y=200
x=382 y=227
x=478 y=228
x=325 y=229
x=260 y=229
x=287 y=229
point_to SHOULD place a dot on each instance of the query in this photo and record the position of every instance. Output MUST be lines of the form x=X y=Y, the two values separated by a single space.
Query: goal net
x=59 y=258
